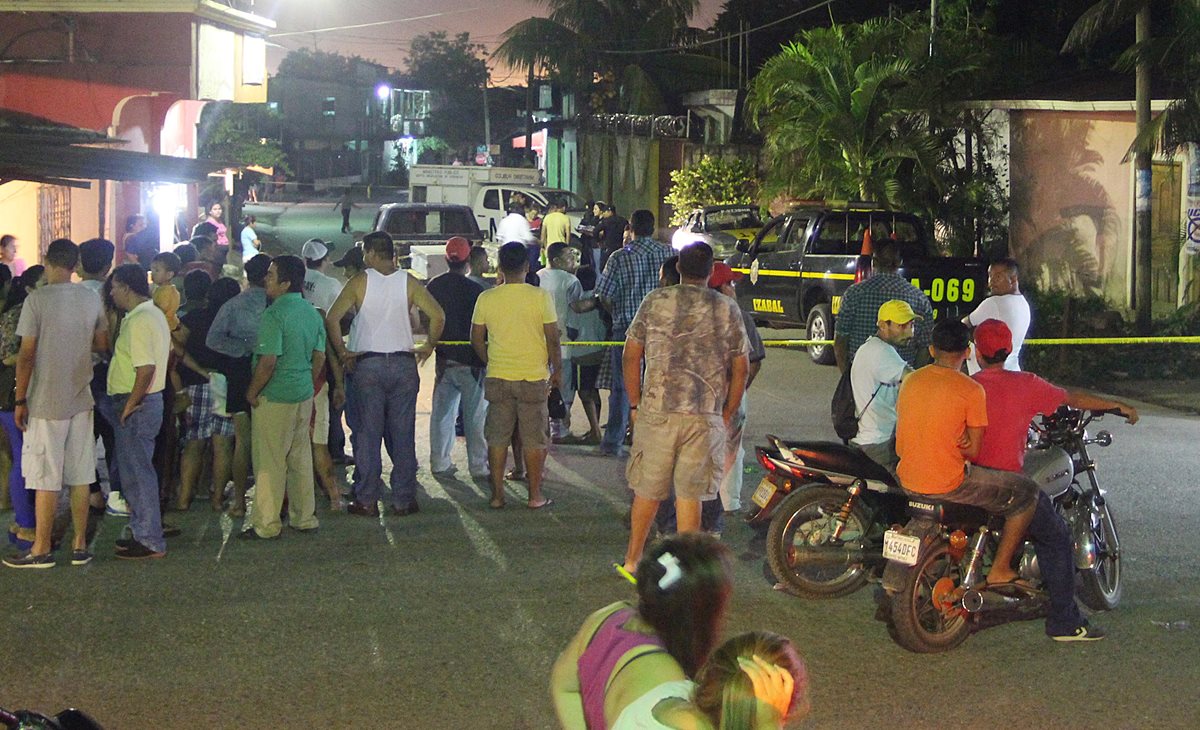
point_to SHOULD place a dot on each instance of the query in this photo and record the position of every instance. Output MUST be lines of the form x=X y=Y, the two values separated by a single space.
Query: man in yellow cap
x=875 y=376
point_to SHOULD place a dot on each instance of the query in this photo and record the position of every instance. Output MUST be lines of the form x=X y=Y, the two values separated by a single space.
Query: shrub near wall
x=1064 y=314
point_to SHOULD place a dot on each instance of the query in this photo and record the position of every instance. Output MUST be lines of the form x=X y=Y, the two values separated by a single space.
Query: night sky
x=485 y=20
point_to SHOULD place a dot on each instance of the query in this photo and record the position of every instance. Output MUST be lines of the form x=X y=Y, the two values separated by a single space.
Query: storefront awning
x=22 y=159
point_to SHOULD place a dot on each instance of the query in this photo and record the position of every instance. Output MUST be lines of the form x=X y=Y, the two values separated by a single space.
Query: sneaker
x=29 y=560
x=138 y=551
x=1081 y=633
x=117 y=506
x=81 y=557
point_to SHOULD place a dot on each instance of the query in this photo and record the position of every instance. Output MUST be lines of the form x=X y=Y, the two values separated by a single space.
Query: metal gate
x=54 y=216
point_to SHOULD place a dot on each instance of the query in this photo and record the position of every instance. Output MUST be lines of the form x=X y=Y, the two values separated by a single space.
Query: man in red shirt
x=1013 y=399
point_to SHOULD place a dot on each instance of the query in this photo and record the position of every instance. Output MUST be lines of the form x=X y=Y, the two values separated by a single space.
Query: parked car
x=428 y=224
x=720 y=226
x=800 y=263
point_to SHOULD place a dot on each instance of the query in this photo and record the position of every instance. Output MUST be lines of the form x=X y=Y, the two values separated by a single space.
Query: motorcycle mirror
x=1104 y=438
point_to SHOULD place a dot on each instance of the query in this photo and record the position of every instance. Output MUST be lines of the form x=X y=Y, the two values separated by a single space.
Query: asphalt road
x=452 y=618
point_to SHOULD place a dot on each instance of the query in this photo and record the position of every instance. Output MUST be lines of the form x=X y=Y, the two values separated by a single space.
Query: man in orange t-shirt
x=941 y=414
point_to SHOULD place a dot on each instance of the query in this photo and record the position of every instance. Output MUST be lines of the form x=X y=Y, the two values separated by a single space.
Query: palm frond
x=1099 y=20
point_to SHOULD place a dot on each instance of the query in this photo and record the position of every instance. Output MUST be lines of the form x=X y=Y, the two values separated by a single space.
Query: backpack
x=843 y=410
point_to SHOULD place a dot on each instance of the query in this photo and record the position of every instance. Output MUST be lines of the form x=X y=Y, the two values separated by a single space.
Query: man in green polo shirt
x=290 y=356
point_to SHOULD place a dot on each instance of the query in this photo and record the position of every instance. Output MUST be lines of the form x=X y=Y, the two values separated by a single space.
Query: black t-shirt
x=610 y=233
x=457 y=294
x=198 y=322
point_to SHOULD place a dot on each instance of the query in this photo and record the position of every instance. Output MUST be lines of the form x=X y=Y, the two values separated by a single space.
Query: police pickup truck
x=800 y=263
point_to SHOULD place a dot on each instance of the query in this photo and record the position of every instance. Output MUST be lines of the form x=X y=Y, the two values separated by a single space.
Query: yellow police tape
x=1182 y=340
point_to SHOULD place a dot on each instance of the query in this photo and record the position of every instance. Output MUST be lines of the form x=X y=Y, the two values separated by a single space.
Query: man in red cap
x=723 y=280
x=458 y=370
x=1013 y=399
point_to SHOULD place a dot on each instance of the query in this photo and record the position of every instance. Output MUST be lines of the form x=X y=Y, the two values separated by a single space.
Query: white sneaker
x=116 y=505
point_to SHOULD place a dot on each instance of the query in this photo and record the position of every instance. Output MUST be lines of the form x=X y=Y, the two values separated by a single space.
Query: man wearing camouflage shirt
x=688 y=398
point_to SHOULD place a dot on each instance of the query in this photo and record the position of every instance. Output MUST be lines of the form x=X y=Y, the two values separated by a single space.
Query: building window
x=328 y=106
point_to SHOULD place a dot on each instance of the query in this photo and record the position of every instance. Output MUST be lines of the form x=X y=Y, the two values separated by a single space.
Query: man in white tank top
x=382 y=358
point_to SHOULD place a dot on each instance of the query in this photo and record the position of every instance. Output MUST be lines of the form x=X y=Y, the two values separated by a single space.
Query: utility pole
x=933 y=20
x=1143 y=260
x=529 y=112
x=487 y=119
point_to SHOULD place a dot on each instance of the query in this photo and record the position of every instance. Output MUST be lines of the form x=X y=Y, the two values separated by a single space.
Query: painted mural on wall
x=1070 y=203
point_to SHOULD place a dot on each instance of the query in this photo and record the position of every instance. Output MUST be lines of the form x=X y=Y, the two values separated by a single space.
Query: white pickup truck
x=486 y=190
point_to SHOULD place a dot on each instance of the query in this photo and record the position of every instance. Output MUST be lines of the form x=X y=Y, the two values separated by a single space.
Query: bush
x=711 y=181
x=1058 y=313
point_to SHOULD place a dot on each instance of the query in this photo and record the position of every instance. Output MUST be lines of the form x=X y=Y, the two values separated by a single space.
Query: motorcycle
x=828 y=506
x=71 y=719
x=934 y=583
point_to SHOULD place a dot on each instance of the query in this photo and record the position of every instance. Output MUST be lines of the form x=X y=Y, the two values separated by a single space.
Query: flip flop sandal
x=543 y=505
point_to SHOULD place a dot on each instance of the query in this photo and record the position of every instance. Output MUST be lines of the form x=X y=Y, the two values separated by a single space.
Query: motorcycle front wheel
x=1100 y=585
x=926 y=617
x=802 y=552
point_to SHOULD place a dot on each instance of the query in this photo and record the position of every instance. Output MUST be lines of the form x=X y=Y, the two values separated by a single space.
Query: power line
x=723 y=38
x=372 y=25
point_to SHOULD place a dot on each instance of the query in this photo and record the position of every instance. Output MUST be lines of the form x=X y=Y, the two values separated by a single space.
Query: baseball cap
x=898 y=311
x=314 y=249
x=722 y=275
x=352 y=257
x=992 y=337
x=458 y=249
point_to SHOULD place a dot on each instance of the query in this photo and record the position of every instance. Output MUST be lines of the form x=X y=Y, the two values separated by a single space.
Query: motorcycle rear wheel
x=1100 y=585
x=918 y=624
x=799 y=548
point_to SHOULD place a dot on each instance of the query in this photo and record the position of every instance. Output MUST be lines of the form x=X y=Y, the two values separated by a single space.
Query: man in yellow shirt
x=556 y=226
x=514 y=330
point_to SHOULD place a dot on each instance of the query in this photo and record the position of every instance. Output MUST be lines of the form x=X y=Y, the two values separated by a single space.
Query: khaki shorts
x=681 y=450
x=516 y=404
x=58 y=453
x=320 y=427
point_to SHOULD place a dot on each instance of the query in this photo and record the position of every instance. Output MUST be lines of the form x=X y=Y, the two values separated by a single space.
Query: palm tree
x=615 y=42
x=830 y=109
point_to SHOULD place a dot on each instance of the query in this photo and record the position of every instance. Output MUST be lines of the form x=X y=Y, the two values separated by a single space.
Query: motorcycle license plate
x=901 y=548
x=762 y=495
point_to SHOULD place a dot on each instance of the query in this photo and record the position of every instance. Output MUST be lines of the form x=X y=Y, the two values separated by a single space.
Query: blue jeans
x=135 y=463
x=386 y=400
x=1052 y=541
x=22 y=498
x=618 y=401
x=455 y=384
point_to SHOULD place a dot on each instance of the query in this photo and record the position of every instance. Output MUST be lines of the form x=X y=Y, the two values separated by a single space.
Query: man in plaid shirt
x=630 y=274
x=856 y=318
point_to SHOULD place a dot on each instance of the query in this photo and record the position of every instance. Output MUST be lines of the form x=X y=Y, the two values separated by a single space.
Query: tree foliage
x=610 y=50
x=303 y=63
x=863 y=111
x=711 y=181
x=241 y=134
x=455 y=70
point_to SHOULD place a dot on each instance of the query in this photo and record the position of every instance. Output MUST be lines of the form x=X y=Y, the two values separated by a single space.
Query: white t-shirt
x=563 y=288
x=876 y=371
x=1012 y=310
x=320 y=290
x=248 y=237
x=514 y=227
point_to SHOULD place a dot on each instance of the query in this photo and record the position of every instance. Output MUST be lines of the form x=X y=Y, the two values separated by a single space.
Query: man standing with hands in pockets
x=697 y=358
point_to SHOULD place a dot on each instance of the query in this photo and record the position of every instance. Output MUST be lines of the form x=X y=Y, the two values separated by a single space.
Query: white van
x=487 y=191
